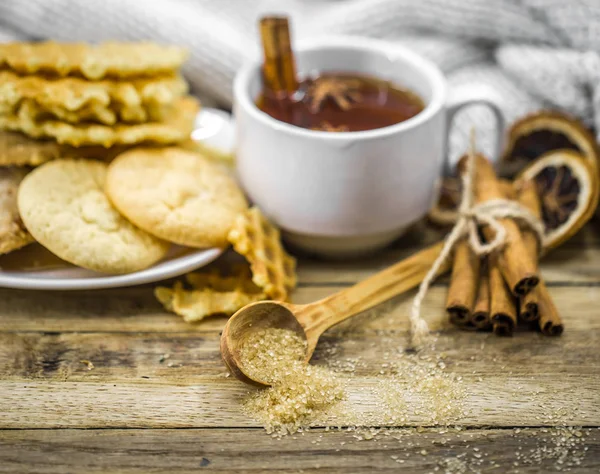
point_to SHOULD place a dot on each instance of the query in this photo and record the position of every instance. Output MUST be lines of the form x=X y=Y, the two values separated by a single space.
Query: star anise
x=343 y=92
x=325 y=126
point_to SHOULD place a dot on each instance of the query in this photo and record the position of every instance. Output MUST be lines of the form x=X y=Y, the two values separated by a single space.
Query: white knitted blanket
x=532 y=53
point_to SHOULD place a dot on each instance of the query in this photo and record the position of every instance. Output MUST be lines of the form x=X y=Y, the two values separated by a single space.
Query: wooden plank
x=233 y=450
x=135 y=310
x=183 y=358
x=123 y=309
x=526 y=381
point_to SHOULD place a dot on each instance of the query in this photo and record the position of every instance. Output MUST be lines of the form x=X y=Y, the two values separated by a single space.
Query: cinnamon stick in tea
x=515 y=263
x=502 y=304
x=279 y=68
x=481 y=312
x=463 y=284
x=529 y=198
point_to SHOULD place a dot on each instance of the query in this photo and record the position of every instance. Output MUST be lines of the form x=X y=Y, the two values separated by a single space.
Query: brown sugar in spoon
x=309 y=321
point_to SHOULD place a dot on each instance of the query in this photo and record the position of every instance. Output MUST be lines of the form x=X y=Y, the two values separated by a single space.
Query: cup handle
x=473 y=96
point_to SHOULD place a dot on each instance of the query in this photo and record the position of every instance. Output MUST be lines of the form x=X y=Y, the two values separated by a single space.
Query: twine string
x=467 y=221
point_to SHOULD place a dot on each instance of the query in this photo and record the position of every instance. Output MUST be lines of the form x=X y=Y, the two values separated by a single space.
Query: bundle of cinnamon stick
x=505 y=288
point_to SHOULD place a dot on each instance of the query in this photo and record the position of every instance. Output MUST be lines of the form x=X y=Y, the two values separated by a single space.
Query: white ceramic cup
x=347 y=193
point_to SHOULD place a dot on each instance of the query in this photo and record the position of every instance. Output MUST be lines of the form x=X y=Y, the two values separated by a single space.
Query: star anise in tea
x=343 y=92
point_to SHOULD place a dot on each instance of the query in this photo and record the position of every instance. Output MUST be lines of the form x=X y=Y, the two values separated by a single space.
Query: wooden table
x=157 y=397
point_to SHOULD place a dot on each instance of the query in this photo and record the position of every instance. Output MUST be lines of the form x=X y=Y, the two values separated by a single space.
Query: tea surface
x=343 y=102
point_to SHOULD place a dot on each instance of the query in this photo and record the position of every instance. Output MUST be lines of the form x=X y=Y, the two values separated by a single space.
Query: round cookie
x=176 y=195
x=63 y=205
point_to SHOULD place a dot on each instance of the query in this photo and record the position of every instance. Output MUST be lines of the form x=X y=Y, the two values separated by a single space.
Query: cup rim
x=428 y=68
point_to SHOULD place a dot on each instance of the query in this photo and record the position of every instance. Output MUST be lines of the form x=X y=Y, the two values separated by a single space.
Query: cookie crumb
x=88 y=363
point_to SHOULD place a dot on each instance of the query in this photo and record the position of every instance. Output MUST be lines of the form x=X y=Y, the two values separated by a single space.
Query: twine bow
x=466 y=221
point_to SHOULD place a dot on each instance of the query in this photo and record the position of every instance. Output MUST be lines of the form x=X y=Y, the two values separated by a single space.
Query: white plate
x=59 y=275
x=18 y=270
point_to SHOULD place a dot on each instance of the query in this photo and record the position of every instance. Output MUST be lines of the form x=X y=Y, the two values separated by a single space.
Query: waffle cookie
x=211 y=293
x=74 y=99
x=111 y=59
x=17 y=149
x=13 y=234
x=63 y=206
x=176 y=128
x=273 y=270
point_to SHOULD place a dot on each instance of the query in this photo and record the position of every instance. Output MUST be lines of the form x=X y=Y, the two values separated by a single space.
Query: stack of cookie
x=79 y=98
x=84 y=101
x=114 y=183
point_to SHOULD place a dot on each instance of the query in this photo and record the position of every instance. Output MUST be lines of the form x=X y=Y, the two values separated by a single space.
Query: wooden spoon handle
x=319 y=316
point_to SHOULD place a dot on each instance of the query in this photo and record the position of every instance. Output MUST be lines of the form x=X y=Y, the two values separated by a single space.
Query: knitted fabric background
x=528 y=53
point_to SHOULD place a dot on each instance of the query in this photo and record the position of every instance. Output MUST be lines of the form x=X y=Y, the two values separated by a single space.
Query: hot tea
x=329 y=101
x=342 y=102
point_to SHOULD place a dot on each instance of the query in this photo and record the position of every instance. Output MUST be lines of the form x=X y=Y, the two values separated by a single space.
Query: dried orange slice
x=568 y=186
x=538 y=133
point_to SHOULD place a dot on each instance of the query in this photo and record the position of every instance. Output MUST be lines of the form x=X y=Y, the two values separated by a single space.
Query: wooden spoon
x=311 y=320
